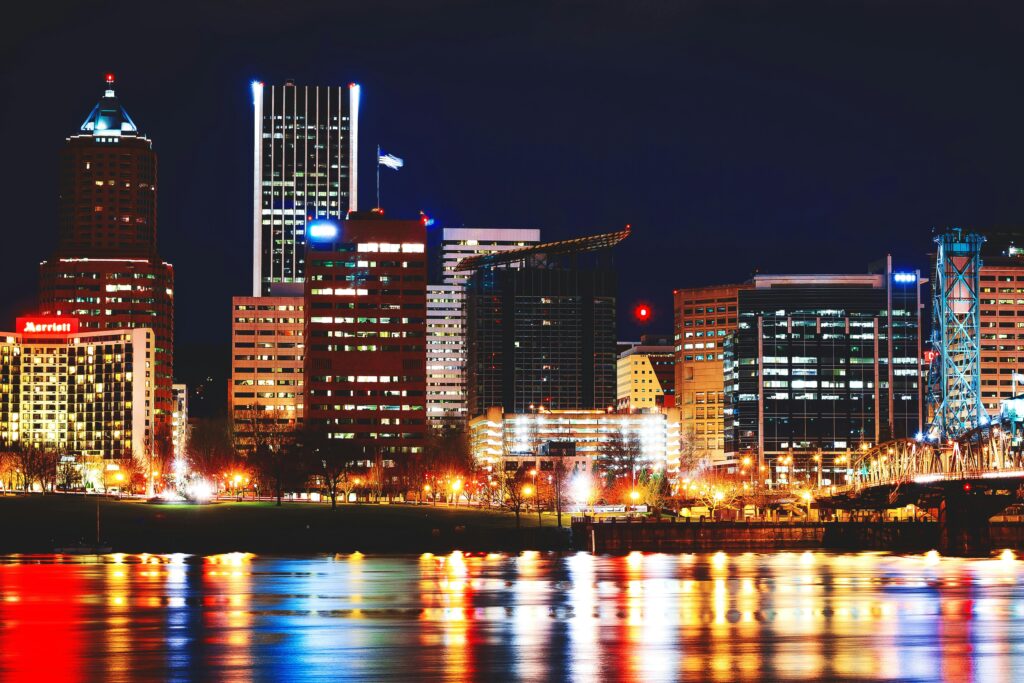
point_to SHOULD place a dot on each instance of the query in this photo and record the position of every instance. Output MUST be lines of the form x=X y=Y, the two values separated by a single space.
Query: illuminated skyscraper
x=304 y=168
x=365 y=355
x=106 y=271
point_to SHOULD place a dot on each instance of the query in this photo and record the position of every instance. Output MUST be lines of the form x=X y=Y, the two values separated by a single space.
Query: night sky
x=784 y=136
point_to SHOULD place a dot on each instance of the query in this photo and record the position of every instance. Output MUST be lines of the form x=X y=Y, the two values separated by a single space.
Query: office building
x=446 y=339
x=305 y=153
x=179 y=421
x=820 y=367
x=88 y=395
x=704 y=317
x=266 y=391
x=510 y=440
x=1001 y=315
x=540 y=326
x=365 y=355
x=106 y=272
x=646 y=376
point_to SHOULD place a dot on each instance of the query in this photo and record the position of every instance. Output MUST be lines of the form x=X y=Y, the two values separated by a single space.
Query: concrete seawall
x=623 y=536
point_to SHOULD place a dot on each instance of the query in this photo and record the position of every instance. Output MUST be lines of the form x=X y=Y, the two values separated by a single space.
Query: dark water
x=737 y=617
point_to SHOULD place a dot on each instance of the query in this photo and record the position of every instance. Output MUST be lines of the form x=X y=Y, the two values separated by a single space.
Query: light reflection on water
x=650 y=617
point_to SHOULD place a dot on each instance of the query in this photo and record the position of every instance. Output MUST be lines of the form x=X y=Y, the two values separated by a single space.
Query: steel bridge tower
x=955 y=374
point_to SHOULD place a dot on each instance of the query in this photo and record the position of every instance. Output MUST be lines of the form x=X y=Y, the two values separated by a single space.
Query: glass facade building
x=821 y=366
x=541 y=327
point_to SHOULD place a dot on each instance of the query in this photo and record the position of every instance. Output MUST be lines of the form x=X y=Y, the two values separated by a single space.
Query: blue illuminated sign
x=322 y=231
x=904 y=278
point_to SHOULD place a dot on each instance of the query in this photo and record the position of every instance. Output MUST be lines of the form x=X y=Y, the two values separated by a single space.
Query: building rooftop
x=108 y=117
x=771 y=281
x=576 y=245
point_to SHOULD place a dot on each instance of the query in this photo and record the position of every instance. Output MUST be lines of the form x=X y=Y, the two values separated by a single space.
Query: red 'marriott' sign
x=41 y=325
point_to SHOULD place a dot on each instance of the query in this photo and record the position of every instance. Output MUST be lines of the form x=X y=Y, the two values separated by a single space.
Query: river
x=533 y=616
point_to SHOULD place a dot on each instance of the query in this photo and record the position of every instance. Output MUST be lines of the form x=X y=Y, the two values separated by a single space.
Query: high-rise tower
x=304 y=169
x=106 y=271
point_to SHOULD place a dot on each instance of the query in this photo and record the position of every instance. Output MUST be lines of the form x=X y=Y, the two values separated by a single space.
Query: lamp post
x=536 y=489
x=527 y=492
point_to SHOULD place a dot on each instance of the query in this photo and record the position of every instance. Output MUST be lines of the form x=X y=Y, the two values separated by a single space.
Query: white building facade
x=508 y=440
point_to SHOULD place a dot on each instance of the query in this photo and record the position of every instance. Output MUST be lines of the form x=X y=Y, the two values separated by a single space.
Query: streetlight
x=806 y=495
x=456 y=487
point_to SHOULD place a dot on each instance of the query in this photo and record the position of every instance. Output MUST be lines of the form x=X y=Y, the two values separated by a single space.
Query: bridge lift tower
x=954 y=377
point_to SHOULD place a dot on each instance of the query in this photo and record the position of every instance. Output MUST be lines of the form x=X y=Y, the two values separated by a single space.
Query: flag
x=1018 y=378
x=390 y=160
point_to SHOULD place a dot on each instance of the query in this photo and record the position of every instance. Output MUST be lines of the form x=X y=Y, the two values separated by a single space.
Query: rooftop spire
x=108 y=117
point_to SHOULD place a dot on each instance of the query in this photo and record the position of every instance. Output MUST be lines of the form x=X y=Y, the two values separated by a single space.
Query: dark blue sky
x=785 y=136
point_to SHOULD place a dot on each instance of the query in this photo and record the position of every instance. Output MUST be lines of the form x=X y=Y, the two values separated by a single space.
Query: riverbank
x=39 y=524
x=667 y=536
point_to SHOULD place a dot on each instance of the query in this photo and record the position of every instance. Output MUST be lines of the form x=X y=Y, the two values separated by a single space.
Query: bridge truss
x=954 y=388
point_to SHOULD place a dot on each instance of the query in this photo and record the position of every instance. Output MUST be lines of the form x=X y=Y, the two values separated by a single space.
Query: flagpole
x=378 y=176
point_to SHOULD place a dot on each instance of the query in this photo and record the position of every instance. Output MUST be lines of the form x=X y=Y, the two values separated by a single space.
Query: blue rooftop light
x=322 y=231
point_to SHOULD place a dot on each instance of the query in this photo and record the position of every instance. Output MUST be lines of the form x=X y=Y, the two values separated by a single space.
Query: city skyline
x=655 y=340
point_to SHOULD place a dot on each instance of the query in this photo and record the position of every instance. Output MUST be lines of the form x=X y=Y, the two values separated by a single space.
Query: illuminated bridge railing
x=982 y=453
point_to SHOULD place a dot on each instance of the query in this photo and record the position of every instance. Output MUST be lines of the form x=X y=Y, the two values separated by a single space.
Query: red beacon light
x=967 y=487
x=109 y=78
x=642 y=313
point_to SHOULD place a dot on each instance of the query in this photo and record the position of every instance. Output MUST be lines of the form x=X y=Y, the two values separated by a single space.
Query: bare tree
x=654 y=490
x=449 y=454
x=211 y=448
x=332 y=459
x=269 y=442
x=621 y=456
x=375 y=477
x=716 y=496
x=559 y=482
x=38 y=465
x=133 y=473
x=10 y=471
x=69 y=474
x=693 y=456
x=162 y=456
x=511 y=485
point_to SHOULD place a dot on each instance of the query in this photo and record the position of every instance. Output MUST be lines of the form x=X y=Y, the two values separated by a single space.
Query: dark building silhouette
x=106 y=271
x=541 y=326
